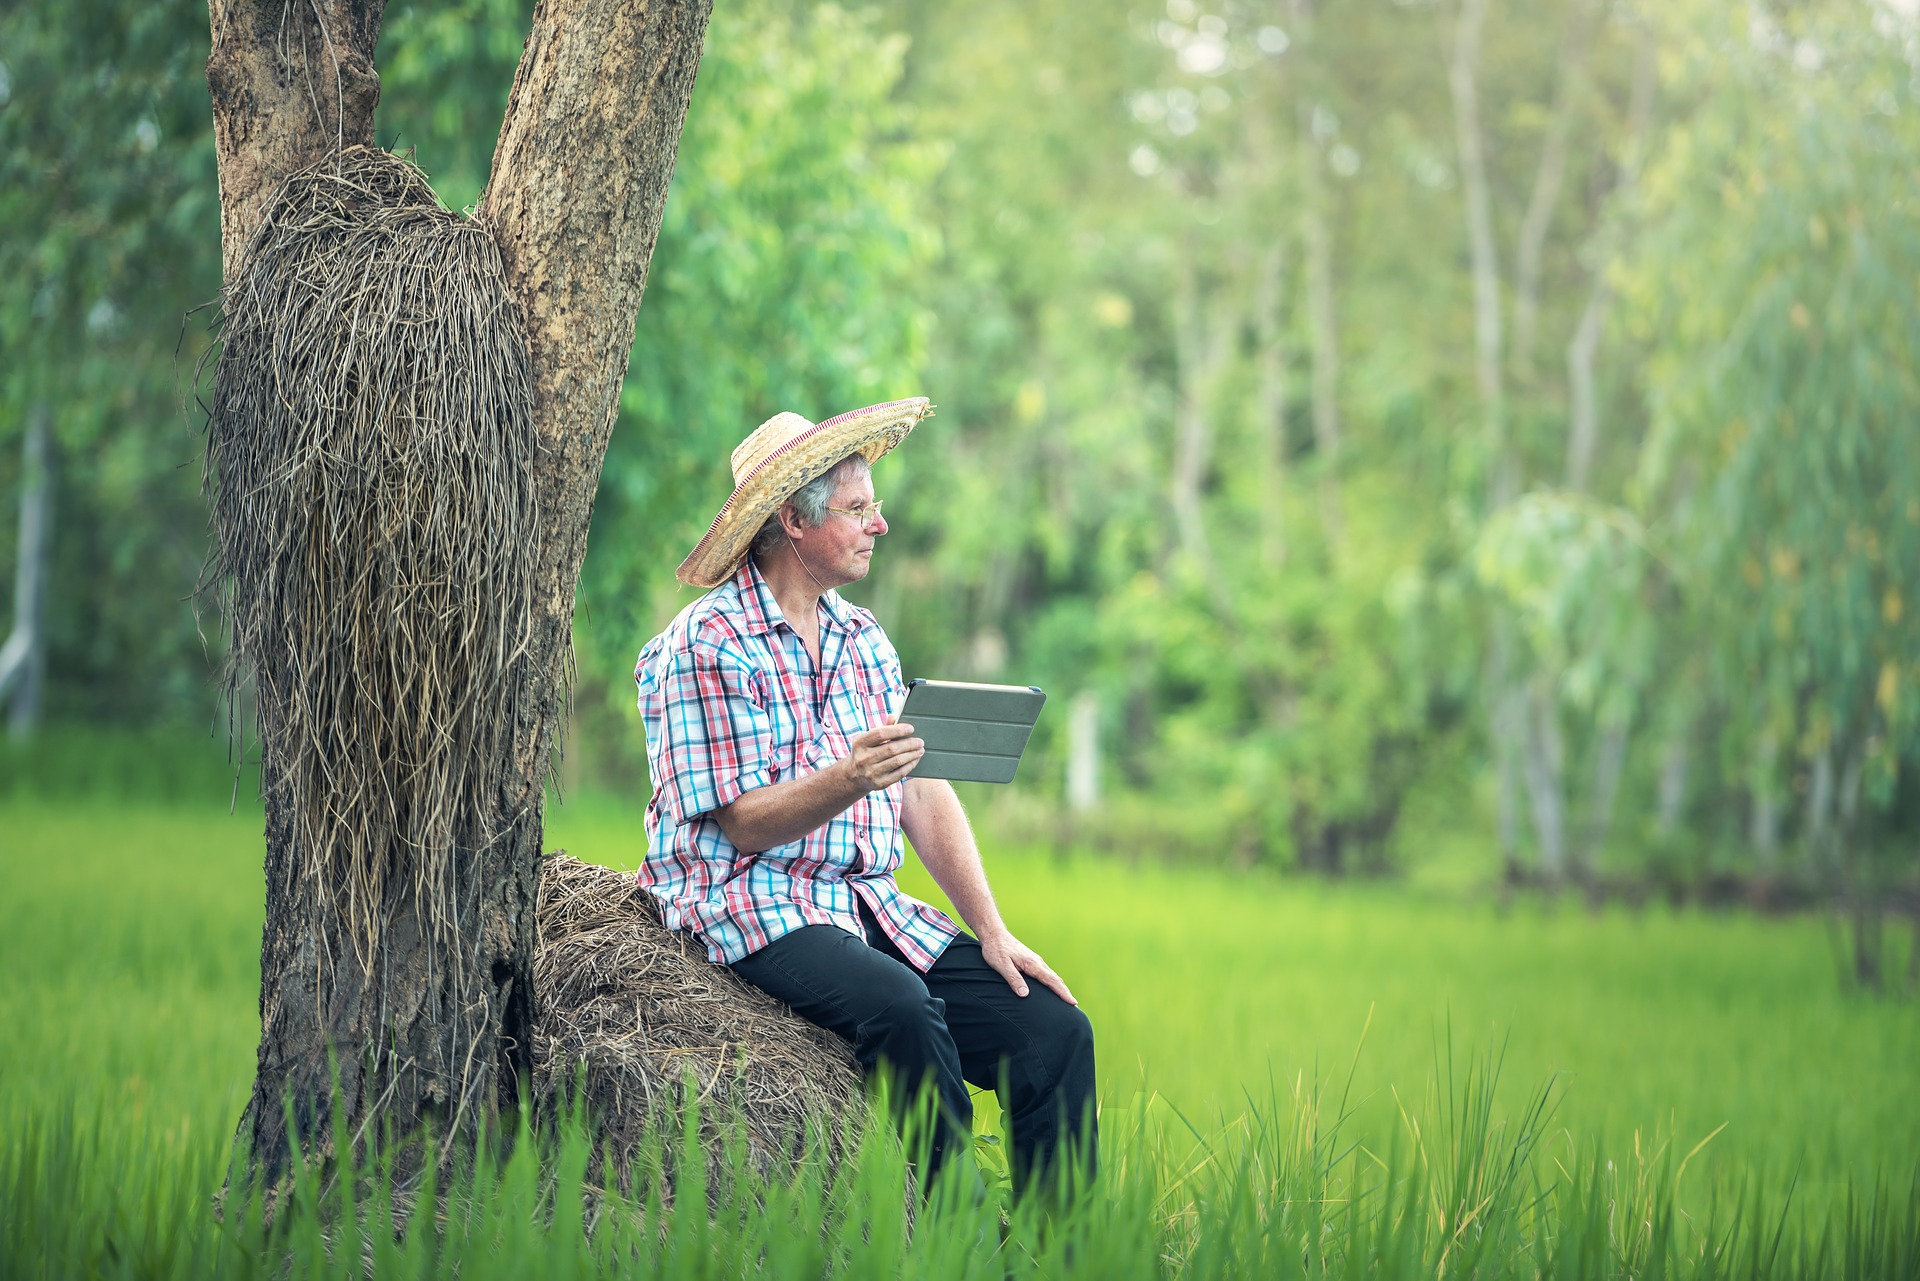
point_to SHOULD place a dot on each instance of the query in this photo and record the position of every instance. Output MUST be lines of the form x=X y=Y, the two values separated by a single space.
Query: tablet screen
x=974 y=733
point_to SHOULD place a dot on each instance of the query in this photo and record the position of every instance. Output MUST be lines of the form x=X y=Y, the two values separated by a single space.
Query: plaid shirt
x=732 y=702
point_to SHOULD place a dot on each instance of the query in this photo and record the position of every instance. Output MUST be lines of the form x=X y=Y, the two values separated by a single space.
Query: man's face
x=837 y=550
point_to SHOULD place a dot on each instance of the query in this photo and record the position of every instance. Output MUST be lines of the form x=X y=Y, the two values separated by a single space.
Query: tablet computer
x=973 y=733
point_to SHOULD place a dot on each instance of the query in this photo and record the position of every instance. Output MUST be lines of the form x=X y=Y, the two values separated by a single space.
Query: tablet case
x=973 y=733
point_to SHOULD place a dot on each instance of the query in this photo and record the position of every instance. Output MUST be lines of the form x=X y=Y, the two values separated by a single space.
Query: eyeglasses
x=865 y=513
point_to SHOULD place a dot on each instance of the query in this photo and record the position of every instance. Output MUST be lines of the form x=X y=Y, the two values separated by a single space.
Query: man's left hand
x=1014 y=961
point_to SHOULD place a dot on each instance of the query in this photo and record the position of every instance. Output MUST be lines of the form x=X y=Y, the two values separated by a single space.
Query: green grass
x=128 y=945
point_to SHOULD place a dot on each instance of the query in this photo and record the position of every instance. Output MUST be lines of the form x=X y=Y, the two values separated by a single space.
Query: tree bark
x=429 y=1035
x=1583 y=417
x=1858 y=878
x=1763 y=827
x=1546 y=779
x=1316 y=248
x=1270 y=399
x=1202 y=347
x=1818 y=813
x=1508 y=719
x=1609 y=761
x=1547 y=182
x=23 y=659
x=1463 y=79
x=1671 y=794
x=290 y=83
x=1083 y=752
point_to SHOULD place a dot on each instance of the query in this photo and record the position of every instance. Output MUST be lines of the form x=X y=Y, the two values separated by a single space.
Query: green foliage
x=1578 y=575
x=1084 y=231
x=109 y=234
x=1779 y=303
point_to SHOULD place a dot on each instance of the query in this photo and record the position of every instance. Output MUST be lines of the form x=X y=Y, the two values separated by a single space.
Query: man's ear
x=790 y=521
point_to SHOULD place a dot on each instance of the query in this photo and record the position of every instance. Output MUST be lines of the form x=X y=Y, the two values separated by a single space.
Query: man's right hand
x=783 y=812
x=880 y=757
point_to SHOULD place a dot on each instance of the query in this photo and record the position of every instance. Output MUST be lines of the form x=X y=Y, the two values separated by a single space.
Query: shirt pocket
x=877 y=698
x=829 y=744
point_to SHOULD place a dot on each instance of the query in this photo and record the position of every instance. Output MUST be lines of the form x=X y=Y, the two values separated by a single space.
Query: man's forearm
x=937 y=825
x=781 y=813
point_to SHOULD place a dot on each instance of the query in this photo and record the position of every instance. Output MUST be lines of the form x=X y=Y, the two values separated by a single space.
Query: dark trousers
x=955 y=1024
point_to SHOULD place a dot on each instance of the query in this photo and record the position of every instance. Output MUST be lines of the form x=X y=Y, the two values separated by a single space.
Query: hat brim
x=872 y=432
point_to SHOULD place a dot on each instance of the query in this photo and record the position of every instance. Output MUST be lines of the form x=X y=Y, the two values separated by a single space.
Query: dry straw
x=370 y=471
x=640 y=1017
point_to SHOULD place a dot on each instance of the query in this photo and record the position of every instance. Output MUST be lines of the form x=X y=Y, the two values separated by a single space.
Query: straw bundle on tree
x=648 y=1024
x=370 y=466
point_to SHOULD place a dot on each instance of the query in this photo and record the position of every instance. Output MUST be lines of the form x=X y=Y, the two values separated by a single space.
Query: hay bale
x=651 y=1023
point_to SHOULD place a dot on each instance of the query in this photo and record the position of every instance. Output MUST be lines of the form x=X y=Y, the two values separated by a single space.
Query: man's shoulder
x=717 y=618
x=713 y=623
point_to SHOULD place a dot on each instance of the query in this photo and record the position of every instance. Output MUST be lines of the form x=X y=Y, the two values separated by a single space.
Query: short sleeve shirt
x=732 y=701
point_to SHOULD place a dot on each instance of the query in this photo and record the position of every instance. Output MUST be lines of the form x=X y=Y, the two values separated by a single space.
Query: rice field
x=1297 y=1079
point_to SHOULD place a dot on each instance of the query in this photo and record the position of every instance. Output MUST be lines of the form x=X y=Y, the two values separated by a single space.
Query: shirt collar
x=762 y=611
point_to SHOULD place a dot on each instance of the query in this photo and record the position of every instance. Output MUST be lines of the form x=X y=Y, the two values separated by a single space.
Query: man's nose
x=879 y=524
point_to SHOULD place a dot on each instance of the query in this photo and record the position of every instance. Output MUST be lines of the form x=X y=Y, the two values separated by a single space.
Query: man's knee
x=1067 y=1039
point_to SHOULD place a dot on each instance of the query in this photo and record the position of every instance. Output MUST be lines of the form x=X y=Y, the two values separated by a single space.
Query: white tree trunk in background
x=1546 y=779
x=1548 y=179
x=23 y=659
x=1083 y=752
x=1764 y=823
x=1270 y=398
x=1671 y=801
x=1583 y=417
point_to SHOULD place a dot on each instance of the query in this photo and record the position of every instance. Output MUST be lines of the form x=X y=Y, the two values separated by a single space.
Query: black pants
x=955 y=1024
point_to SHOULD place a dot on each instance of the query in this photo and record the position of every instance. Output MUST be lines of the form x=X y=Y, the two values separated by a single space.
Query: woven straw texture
x=782 y=454
x=637 y=1017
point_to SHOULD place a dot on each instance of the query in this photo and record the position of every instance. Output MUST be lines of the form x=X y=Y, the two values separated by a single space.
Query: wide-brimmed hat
x=782 y=454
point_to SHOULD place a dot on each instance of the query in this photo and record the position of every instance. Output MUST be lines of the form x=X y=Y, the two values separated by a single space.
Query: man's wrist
x=846 y=782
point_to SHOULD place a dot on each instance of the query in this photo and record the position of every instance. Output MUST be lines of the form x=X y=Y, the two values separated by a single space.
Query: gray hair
x=809 y=503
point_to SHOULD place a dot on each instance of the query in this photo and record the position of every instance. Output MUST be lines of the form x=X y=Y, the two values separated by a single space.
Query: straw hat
x=784 y=453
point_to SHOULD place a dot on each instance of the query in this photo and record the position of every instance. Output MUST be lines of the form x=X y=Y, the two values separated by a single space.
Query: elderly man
x=782 y=787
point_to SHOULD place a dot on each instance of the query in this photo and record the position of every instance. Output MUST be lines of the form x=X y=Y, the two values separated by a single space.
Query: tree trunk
x=1202 y=347
x=1859 y=879
x=1546 y=780
x=1609 y=761
x=1270 y=399
x=1583 y=412
x=1463 y=79
x=1547 y=181
x=1316 y=247
x=290 y=83
x=434 y=1032
x=1506 y=700
x=1671 y=798
x=1507 y=728
x=23 y=659
x=1083 y=752
x=1583 y=418
x=1817 y=817
x=1763 y=827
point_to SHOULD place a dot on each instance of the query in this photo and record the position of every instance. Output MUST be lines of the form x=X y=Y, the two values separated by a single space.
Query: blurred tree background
x=1469 y=440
